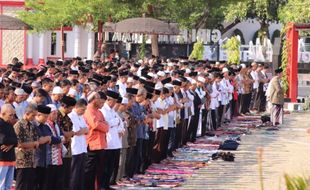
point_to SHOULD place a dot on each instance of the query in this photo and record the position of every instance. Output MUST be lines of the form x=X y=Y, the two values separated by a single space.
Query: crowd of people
x=84 y=124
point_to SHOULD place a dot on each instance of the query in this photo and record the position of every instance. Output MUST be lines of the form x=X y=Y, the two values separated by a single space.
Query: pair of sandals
x=226 y=156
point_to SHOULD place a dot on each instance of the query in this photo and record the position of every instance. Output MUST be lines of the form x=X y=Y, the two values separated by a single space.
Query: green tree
x=232 y=46
x=264 y=11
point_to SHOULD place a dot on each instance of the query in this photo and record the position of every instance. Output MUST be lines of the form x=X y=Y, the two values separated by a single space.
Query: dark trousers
x=52 y=178
x=25 y=178
x=220 y=112
x=184 y=131
x=204 y=118
x=39 y=178
x=130 y=162
x=246 y=101
x=65 y=179
x=77 y=180
x=253 y=99
x=161 y=145
x=178 y=134
x=192 y=128
x=150 y=145
x=93 y=168
x=213 y=118
x=139 y=156
x=111 y=167
x=171 y=142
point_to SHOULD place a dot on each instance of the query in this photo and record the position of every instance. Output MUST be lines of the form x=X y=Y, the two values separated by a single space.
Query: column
x=77 y=41
x=41 y=49
x=29 y=61
x=90 y=45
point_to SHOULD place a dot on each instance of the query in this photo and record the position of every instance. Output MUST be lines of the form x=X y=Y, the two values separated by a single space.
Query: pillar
x=41 y=49
x=292 y=40
x=90 y=45
x=77 y=41
x=29 y=61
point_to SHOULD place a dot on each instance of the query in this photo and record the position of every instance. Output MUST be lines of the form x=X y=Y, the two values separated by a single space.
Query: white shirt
x=214 y=97
x=114 y=141
x=20 y=108
x=122 y=88
x=255 y=78
x=172 y=114
x=78 y=143
x=163 y=120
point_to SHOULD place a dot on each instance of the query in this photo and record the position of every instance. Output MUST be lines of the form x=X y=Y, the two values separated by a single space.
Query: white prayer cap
x=155 y=76
x=170 y=64
x=140 y=61
x=217 y=63
x=159 y=85
x=243 y=66
x=201 y=79
x=225 y=70
x=19 y=91
x=130 y=79
x=52 y=106
x=72 y=92
x=35 y=84
x=188 y=71
x=161 y=73
x=57 y=90
x=91 y=96
x=150 y=74
x=169 y=86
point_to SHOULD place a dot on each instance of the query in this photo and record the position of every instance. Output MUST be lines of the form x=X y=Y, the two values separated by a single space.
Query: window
x=65 y=42
x=53 y=43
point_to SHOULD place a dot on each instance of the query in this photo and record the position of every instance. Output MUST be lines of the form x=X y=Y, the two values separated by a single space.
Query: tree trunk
x=154 y=42
x=100 y=23
x=62 y=43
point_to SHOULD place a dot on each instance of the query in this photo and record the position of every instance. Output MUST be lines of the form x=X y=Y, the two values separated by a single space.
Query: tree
x=264 y=11
x=233 y=50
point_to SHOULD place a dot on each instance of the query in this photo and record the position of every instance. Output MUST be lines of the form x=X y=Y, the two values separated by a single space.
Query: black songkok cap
x=167 y=80
x=193 y=74
x=149 y=96
x=73 y=72
x=177 y=83
x=149 y=89
x=119 y=100
x=125 y=73
x=44 y=109
x=112 y=94
x=27 y=89
x=278 y=70
x=157 y=92
x=68 y=101
x=133 y=91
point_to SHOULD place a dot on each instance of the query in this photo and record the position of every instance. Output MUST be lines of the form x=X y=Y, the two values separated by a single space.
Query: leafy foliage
x=293 y=11
x=297 y=183
x=232 y=46
x=198 y=50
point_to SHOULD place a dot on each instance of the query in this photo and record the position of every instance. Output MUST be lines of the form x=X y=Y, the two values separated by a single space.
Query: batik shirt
x=25 y=132
x=65 y=124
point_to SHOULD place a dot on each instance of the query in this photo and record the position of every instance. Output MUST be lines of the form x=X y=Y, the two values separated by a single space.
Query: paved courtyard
x=284 y=151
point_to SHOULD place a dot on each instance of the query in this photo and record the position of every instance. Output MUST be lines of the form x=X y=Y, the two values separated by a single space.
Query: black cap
x=167 y=80
x=278 y=70
x=27 y=89
x=193 y=74
x=44 y=109
x=149 y=96
x=112 y=94
x=149 y=89
x=119 y=99
x=177 y=82
x=73 y=72
x=157 y=92
x=135 y=77
x=68 y=101
x=133 y=91
x=165 y=90
x=102 y=95
x=124 y=73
